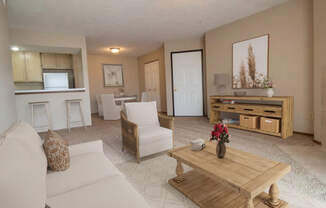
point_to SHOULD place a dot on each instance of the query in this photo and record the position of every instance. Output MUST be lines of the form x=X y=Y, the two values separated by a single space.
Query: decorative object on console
x=240 y=93
x=250 y=62
x=197 y=144
x=227 y=101
x=268 y=84
x=221 y=81
x=57 y=152
x=112 y=75
x=220 y=133
x=230 y=121
x=121 y=92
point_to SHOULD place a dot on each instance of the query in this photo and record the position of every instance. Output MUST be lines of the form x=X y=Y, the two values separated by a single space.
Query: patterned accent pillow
x=57 y=152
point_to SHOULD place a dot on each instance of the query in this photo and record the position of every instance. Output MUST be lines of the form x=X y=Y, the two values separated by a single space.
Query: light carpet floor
x=304 y=187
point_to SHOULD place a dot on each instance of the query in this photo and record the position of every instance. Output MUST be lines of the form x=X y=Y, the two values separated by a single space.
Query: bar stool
x=46 y=106
x=68 y=105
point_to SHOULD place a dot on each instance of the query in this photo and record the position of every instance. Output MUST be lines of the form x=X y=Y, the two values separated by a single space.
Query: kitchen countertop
x=24 y=92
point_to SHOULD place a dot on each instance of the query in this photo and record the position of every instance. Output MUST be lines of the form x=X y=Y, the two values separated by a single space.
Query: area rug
x=303 y=187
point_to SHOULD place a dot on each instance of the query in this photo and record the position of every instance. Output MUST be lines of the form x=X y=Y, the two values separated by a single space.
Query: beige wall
x=157 y=55
x=320 y=70
x=96 y=83
x=290 y=59
x=7 y=97
x=173 y=46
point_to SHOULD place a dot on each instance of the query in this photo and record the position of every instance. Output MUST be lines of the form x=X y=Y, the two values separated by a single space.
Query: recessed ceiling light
x=115 y=50
x=14 y=48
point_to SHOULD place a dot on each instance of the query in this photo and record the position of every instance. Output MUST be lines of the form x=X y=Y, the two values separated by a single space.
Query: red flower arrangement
x=220 y=133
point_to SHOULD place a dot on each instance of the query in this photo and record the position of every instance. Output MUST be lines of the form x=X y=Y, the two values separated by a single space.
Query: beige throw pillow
x=57 y=152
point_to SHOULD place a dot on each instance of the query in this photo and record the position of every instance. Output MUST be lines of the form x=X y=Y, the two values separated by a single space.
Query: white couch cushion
x=84 y=170
x=143 y=114
x=23 y=168
x=111 y=192
x=86 y=148
x=153 y=134
x=154 y=139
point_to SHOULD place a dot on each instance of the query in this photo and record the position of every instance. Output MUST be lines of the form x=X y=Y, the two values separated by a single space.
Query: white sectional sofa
x=92 y=181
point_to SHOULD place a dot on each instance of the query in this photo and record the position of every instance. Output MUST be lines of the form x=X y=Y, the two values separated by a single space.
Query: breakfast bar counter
x=24 y=92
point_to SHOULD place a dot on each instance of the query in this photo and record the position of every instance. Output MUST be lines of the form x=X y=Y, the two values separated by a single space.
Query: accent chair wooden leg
x=274 y=200
x=138 y=157
x=179 y=172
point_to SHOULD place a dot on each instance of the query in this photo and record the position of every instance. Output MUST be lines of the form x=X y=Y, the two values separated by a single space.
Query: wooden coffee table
x=237 y=181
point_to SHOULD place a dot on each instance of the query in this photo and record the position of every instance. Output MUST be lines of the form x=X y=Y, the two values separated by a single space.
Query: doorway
x=152 y=82
x=187 y=83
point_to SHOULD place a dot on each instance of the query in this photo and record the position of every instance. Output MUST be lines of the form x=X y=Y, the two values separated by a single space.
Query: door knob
x=175 y=90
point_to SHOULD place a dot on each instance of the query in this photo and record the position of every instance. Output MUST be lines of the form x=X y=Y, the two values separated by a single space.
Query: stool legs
x=68 y=116
x=44 y=104
x=68 y=106
x=32 y=116
x=82 y=115
x=49 y=116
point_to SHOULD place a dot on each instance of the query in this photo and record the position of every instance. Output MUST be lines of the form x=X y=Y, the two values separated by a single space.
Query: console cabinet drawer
x=270 y=124
x=250 y=122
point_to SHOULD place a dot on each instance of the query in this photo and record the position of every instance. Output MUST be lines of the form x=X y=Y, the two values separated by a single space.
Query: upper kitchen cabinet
x=49 y=61
x=56 y=61
x=64 y=61
x=18 y=66
x=27 y=67
x=33 y=66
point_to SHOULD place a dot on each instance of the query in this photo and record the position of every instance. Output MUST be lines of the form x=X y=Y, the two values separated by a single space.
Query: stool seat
x=40 y=102
x=68 y=102
x=74 y=100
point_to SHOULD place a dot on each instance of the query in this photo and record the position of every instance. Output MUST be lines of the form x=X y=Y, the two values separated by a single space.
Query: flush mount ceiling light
x=115 y=50
x=14 y=48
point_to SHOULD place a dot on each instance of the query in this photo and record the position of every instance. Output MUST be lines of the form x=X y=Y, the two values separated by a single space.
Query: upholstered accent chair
x=145 y=97
x=144 y=131
x=111 y=111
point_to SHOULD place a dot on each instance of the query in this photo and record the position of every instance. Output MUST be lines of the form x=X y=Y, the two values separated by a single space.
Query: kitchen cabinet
x=33 y=67
x=56 y=61
x=49 y=61
x=27 y=67
x=64 y=61
x=18 y=66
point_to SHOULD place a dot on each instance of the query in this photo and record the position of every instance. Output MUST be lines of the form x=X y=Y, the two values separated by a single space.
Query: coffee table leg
x=250 y=203
x=274 y=192
x=179 y=172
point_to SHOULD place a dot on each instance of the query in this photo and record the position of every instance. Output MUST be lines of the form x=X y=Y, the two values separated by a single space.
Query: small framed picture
x=113 y=75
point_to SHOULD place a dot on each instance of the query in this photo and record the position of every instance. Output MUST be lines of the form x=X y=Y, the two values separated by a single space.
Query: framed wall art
x=250 y=63
x=113 y=75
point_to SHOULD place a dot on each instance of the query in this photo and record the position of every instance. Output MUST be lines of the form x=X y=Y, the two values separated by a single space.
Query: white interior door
x=187 y=83
x=152 y=82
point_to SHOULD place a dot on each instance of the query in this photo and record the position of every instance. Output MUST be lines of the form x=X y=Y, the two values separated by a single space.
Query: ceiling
x=136 y=26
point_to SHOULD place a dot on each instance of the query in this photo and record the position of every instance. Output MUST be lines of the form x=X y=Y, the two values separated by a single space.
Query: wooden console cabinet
x=271 y=107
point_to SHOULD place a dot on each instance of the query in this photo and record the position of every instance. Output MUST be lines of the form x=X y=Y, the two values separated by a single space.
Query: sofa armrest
x=88 y=147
